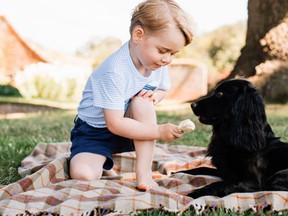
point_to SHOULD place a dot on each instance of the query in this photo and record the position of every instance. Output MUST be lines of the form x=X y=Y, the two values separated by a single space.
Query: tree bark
x=264 y=58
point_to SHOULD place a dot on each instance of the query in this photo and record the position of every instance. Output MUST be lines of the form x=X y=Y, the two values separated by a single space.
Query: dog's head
x=229 y=99
x=236 y=108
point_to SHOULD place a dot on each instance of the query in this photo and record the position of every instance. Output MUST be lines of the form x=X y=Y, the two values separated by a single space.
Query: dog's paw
x=186 y=125
x=194 y=195
x=197 y=193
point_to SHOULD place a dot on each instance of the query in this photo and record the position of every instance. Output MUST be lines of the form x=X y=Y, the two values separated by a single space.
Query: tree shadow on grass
x=13 y=108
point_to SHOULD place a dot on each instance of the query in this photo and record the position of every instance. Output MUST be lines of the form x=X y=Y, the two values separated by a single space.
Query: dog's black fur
x=244 y=149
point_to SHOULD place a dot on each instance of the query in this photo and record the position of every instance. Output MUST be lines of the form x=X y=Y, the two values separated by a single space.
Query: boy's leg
x=86 y=166
x=110 y=172
x=84 y=163
x=143 y=110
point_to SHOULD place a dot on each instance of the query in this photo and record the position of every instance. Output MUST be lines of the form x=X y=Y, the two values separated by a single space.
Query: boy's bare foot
x=110 y=175
x=146 y=184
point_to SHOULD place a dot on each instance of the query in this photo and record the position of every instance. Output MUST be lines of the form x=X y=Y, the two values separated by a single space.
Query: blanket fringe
x=98 y=211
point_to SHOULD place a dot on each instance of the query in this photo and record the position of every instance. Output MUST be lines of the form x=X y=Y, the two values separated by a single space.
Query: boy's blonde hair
x=155 y=15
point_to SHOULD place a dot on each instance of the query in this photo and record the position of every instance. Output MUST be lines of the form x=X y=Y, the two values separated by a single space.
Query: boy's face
x=157 y=49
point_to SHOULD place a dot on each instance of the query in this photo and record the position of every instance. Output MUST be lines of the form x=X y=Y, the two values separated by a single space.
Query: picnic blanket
x=47 y=189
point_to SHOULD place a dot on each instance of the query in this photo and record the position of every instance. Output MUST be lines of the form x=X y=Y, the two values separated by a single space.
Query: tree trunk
x=266 y=50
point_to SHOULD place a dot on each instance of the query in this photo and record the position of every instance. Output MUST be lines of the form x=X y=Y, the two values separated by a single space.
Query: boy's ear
x=137 y=34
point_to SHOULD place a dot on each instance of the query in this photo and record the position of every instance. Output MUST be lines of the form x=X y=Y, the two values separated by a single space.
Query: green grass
x=19 y=136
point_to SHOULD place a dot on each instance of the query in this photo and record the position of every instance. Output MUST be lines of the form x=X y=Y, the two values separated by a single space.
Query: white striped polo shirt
x=112 y=85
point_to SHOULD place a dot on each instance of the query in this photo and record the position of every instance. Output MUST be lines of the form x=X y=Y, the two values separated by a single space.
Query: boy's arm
x=128 y=127
x=132 y=129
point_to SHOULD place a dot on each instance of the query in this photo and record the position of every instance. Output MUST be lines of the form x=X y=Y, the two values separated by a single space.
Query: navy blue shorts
x=86 y=138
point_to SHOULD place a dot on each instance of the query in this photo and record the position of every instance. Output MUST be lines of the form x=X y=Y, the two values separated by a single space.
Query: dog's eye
x=219 y=94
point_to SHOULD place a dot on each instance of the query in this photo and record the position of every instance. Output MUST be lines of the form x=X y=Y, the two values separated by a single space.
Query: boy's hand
x=169 y=132
x=149 y=94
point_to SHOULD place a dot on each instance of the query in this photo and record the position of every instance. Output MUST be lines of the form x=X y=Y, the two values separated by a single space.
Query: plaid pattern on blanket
x=46 y=187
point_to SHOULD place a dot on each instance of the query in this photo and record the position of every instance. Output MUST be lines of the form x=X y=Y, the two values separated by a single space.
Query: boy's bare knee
x=82 y=166
x=140 y=102
x=85 y=173
x=142 y=109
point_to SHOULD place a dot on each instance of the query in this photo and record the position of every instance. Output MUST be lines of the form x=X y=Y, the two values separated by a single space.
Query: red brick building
x=15 y=53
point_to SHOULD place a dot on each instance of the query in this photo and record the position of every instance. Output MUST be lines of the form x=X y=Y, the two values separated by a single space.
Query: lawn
x=18 y=136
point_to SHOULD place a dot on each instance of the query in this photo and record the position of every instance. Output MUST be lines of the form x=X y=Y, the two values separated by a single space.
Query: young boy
x=117 y=110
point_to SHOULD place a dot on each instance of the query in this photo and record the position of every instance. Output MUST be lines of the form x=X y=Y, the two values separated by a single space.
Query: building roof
x=15 y=53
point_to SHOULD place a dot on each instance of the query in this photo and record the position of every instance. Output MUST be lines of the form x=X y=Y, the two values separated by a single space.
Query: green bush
x=8 y=90
x=48 y=81
x=225 y=45
x=218 y=49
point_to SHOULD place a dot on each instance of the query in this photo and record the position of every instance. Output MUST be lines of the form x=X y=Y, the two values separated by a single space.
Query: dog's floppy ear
x=249 y=120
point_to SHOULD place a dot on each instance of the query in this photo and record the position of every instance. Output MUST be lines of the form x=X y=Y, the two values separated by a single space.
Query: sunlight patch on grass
x=39 y=101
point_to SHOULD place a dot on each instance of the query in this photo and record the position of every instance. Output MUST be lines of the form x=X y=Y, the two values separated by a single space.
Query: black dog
x=243 y=148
